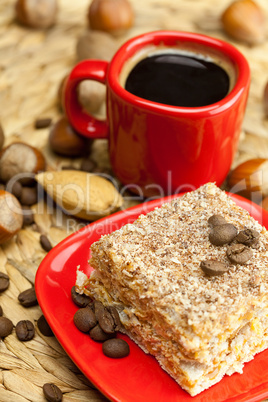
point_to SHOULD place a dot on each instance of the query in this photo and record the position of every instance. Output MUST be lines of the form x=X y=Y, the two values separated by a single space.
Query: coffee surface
x=178 y=80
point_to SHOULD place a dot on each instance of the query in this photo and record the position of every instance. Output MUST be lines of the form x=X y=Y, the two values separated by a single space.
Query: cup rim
x=136 y=43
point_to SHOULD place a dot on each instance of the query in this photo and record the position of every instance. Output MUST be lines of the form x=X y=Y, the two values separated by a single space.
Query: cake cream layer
x=225 y=358
x=151 y=271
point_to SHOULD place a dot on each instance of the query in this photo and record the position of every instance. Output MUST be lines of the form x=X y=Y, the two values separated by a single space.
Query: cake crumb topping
x=160 y=255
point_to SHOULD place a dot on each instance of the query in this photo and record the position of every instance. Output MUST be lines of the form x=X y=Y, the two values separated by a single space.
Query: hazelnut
x=2 y=137
x=265 y=99
x=91 y=95
x=113 y=16
x=65 y=141
x=36 y=13
x=11 y=216
x=250 y=179
x=20 y=159
x=244 y=20
x=265 y=203
x=60 y=92
x=96 y=45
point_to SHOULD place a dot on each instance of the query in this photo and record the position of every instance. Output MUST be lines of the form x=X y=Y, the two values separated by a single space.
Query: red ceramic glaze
x=153 y=145
x=137 y=377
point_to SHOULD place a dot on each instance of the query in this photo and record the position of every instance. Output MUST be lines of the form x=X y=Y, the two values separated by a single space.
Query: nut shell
x=11 y=216
x=98 y=45
x=244 y=20
x=65 y=141
x=21 y=159
x=265 y=203
x=60 y=92
x=36 y=13
x=250 y=179
x=91 y=95
x=265 y=99
x=2 y=137
x=112 y=16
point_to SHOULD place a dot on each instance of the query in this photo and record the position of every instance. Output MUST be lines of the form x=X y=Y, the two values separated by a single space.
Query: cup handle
x=83 y=122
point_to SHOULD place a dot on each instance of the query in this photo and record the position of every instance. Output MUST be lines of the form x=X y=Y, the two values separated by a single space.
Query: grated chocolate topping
x=159 y=257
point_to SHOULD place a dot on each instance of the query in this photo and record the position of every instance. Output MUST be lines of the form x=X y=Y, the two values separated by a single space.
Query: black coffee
x=178 y=80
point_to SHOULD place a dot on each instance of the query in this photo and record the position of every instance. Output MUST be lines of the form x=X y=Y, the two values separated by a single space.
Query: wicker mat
x=32 y=64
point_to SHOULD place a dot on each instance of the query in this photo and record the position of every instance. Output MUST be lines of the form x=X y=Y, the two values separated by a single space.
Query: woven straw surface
x=32 y=64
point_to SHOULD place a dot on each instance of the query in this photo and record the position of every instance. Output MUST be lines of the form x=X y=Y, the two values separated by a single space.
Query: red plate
x=137 y=377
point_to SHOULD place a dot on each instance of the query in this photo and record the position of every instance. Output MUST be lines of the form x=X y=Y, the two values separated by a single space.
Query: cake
x=199 y=326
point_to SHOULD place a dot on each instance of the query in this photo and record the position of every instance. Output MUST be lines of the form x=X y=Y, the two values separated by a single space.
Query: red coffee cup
x=155 y=148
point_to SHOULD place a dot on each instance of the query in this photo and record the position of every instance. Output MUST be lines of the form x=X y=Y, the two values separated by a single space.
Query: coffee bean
x=6 y=327
x=28 y=196
x=216 y=220
x=87 y=165
x=115 y=348
x=213 y=267
x=239 y=253
x=106 y=172
x=80 y=300
x=42 y=123
x=52 y=392
x=28 y=180
x=28 y=216
x=1 y=311
x=25 y=330
x=104 y=318
x=114 y=313
x=98 y=335
x=4 y=281
x=45 y=243
x=68 y=167
x=222 y=234
x=249 y=237
x=14 y=188
x=43 y=326
x=28 y=297
x=84 y=319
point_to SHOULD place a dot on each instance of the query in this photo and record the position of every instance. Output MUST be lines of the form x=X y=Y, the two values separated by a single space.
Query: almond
x=85 y=195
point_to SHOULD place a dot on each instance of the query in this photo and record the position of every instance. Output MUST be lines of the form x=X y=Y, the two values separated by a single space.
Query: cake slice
x=198 y=327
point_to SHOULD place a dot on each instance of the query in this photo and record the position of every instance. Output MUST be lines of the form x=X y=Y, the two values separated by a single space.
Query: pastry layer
x=190 y=322
x=224 y=358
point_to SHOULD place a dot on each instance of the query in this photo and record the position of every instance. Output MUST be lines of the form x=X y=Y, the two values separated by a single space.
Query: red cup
x=154 y=148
